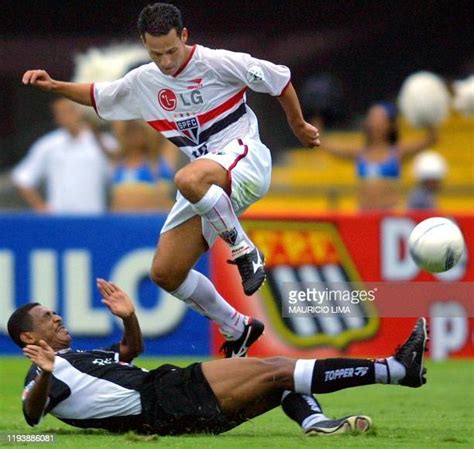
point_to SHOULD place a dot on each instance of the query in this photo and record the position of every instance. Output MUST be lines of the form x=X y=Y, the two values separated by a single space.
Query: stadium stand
x=317 y=181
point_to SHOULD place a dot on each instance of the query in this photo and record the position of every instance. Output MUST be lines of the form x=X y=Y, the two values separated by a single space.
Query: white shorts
x=249 y=166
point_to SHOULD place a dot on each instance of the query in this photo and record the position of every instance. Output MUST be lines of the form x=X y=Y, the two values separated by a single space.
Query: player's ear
x=184 y=35
x=27 y=338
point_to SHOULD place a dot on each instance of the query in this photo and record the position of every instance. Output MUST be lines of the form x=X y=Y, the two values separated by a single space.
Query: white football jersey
x=202 y=107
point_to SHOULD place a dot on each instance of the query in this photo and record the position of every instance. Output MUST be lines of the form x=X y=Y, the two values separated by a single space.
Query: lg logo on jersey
x=168 y=100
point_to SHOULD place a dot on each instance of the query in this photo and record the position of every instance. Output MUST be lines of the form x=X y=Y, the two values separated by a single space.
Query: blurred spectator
x=142 y=179
x=429 y=170
x=378 y=163
x=72 y=161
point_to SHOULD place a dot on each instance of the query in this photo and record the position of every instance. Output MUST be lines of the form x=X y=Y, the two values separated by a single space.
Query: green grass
x=439 y=415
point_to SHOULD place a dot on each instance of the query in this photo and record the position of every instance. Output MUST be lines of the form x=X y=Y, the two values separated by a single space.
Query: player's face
x=48 y=326
x=377 y=122
x=168 y=51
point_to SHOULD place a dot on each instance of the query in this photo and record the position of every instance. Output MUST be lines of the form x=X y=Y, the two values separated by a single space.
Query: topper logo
x=167 y=99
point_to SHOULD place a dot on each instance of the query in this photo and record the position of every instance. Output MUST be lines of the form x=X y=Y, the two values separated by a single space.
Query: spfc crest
x=190 y=128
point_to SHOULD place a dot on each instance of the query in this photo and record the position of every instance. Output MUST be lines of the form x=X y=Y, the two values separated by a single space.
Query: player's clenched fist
x=308 y=134
x=38 y=78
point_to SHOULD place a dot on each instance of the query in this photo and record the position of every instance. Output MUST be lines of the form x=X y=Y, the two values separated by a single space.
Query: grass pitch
x=439 y=415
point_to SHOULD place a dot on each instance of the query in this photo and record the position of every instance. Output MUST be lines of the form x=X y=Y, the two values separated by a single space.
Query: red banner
x=330 y=250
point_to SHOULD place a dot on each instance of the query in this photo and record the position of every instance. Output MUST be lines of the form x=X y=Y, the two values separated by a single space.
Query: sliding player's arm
x=120 y=304
x=36 y=394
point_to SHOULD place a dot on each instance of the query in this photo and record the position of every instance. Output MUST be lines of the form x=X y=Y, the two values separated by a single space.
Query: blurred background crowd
x=386 y=145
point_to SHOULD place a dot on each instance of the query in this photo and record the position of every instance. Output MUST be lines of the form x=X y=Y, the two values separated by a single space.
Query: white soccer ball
x=436 y=244
x=424 y=99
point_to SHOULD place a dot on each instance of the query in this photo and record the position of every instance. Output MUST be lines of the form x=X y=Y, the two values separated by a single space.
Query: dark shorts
x=177 y=401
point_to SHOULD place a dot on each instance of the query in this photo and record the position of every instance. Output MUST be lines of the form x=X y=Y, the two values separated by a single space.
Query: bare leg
x=178 y=251
x=258 y=407
x=195 y=179
x=249 y=384
x=239 y=383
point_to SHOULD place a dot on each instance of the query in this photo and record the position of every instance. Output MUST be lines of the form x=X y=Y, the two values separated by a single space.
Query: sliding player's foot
x=411 y=355
x=347 y=424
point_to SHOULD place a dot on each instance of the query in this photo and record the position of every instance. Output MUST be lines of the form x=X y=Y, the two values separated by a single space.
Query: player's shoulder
x=143 y=70
x=218 y=54
x=219 y=59
x=146 y=67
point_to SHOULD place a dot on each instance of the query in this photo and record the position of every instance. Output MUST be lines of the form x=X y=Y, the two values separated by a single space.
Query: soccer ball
x=436 y=244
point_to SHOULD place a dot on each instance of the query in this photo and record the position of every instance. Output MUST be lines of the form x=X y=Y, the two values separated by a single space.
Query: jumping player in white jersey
x=195 y=96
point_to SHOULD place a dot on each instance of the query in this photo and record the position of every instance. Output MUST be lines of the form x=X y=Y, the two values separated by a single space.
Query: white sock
x=396 y=369
x=198 y=292
x=389 y=371
x=215 y=206
x=313 y=419
x=303 y=375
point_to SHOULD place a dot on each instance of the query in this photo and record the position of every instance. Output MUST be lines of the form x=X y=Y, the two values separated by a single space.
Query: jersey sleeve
x=257 y=74
x=31 y=170
x=116 y=100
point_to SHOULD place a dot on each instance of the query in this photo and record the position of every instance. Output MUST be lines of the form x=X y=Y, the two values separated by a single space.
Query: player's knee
x=187 y=179
x=165 y=278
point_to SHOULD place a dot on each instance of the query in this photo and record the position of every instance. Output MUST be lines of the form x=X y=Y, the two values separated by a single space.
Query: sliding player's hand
x=38 y=78
x=118 y=302
x=41 y=354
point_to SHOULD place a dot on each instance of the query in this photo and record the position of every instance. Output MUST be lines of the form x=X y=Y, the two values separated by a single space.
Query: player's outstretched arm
x=306 y=133
x=78 y=92
x=120 y=304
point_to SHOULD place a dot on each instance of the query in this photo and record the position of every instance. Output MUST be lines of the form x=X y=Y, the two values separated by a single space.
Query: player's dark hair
x=21 y=321
x=159 y=19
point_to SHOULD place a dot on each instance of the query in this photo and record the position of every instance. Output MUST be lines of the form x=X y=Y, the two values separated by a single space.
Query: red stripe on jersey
x=232 y=166
x=163 y=125
x=228 y=104
x=185 y=63
x=92 y=95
